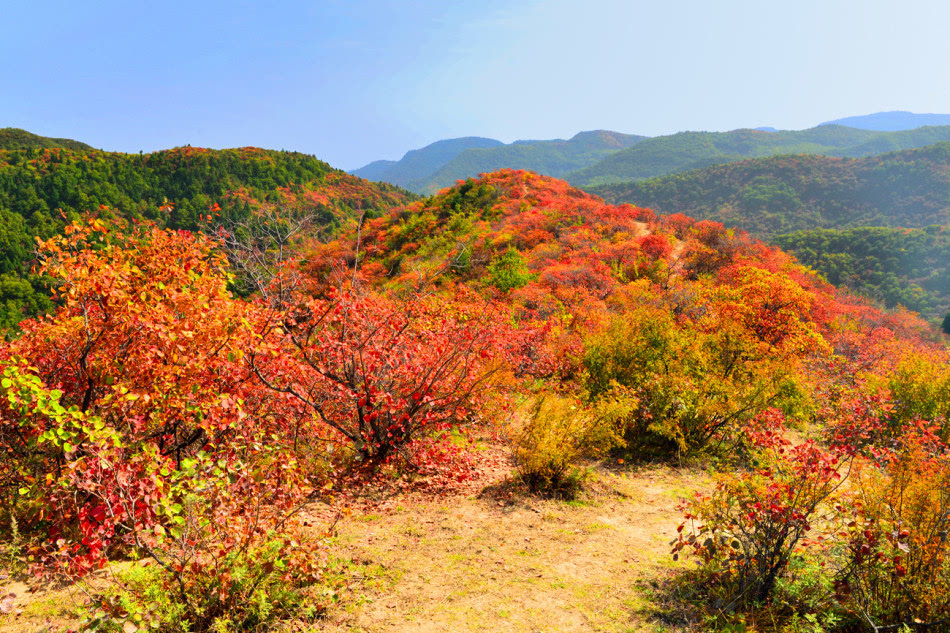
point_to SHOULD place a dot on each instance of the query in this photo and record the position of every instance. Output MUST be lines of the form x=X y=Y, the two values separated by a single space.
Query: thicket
x=155 y=415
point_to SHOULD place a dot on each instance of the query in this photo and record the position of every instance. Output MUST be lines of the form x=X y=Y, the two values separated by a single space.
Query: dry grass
x=483 y=557
x=477 y=563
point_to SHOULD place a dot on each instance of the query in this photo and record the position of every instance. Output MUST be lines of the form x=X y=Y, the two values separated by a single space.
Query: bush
x=279 y=579
x=896 y=552
x=746 y=532
x=557 y=433
x=698 y=382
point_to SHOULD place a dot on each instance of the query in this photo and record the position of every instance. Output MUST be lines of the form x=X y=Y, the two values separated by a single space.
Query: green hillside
x=15 y=138
x=781 y=194
x=909 y=267
x=42 y=189
x=694 y=150
x=551 y=158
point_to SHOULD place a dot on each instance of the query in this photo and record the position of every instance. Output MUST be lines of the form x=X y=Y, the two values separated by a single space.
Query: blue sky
x=354 y=81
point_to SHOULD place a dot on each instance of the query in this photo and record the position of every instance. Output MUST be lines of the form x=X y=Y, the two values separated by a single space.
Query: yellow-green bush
x=557 y=432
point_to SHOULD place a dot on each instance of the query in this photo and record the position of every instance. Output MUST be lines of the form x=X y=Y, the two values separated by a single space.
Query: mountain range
x=603 y=157
x=891 y=121
x=441 y=164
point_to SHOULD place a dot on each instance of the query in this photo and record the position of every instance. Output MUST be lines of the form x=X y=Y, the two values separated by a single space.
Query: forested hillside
x=686 y=151
x=43 y=189
x=782 y=194
x=421 y=162
x=15 y=138
x=908 y=267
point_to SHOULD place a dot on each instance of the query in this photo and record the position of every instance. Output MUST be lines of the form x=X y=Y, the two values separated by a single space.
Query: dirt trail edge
x=474 y=563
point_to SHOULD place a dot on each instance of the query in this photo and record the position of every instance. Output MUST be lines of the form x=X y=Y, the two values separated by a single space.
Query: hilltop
x=43 y=189
x=15 y=138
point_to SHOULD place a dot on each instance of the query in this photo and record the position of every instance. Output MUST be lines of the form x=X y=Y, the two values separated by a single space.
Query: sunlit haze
x=354 y=81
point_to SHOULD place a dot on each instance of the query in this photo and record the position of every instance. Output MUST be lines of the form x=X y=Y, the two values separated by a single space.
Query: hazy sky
x=356 y=80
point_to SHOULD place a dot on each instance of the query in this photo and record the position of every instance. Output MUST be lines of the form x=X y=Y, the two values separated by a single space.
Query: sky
x=352 y=81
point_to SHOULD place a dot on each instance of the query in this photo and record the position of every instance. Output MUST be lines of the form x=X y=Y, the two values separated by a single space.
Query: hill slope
x=782 y=194
x=694 y=150
x=40 y=189
x=909 y=267
x=15 y=138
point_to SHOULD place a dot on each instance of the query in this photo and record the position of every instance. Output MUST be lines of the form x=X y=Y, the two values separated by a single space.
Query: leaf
x=7 y=602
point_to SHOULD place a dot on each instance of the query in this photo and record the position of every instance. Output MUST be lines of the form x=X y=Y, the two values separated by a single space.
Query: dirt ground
x=481 y=557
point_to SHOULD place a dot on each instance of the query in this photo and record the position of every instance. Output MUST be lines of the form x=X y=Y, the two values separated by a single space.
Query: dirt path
x=465 y=560
x=477 y=564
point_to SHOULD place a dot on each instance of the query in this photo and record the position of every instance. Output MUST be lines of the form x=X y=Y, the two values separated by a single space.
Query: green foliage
x=907 y=189
x=908 y=267
x=685 y=151
x=246 y=590
x=15 y=138
x=509 y=271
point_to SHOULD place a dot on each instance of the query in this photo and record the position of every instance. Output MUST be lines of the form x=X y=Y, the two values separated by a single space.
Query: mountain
x=551 y=158
x=685 y=151
x=891 y=121
x=42 y=189
x=441 y=164
x=781 y=194
x=15 y=138
x=418 y=163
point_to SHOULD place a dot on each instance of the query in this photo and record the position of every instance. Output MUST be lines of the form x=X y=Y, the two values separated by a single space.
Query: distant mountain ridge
x=418 y=163
x=554 y=158
x=441 y=164
x=601 y=157
x=685 y=151
x=893 y=121
x=15 y=138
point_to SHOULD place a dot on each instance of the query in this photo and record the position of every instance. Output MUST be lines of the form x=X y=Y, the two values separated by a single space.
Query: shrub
x=378 y=372
x=558 y=432
x=747 y=530
x=508 y=271
x=698 y=383
x=278 y=579
x=896 y=553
